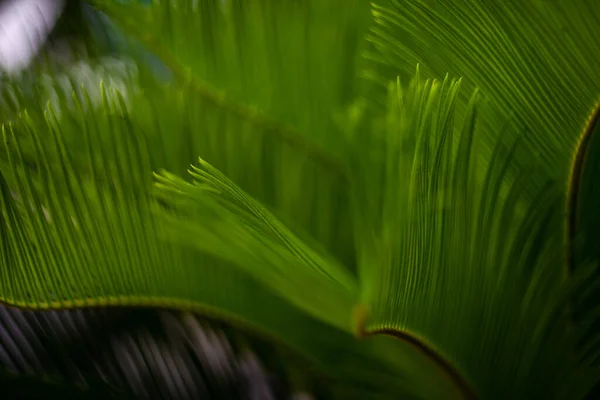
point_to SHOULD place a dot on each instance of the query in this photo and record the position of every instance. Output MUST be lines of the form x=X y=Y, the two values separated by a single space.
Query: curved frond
x=224 y=221
x=285 y=60
x=583 y=222
x=84 y=233
x=458 y=259
x=430 y=213
x=531 y=59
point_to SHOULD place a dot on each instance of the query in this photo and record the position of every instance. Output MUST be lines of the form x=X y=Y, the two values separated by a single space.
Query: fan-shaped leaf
x=456 y=259
x=532 y=59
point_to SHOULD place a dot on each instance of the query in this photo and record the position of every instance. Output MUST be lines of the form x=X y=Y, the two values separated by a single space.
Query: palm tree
x=373 y=195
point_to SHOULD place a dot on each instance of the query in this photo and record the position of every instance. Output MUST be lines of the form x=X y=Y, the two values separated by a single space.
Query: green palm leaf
x=285 y=59
x=229 y=216
x=102 y=218
x=435 y=224
x=429 y=213
x=531 y=59
x=457 y=258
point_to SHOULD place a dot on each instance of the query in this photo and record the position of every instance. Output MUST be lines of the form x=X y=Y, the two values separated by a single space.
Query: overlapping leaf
x=90 y=238
x=285 y=59
x=457 y=259
x=233 y=226
x=457 y=226
x=533 y=59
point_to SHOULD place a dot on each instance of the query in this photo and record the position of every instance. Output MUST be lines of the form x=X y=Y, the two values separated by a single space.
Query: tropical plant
x=396 y=199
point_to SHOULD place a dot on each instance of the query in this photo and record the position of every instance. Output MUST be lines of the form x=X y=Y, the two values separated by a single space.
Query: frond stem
x=361 y=315
x=574 y=184
x=461 y=384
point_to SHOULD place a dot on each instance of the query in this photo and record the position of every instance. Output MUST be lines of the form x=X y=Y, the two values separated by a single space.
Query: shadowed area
x=129 y=353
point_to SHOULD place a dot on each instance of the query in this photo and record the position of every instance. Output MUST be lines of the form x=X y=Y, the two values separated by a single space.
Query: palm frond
x=432 y=212
x=530 y=59
x=459 y=260
x=101 y=217
x=285 y=60
x=581 y=246
x=284 y=263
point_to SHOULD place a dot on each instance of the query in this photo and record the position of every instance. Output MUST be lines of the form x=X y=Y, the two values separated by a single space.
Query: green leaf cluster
x=299 y=180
